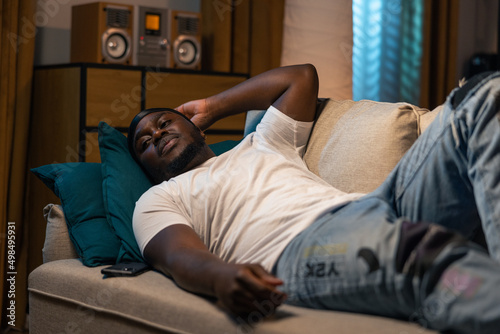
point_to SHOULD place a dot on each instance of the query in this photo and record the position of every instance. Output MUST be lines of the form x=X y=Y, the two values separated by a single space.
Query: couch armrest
x=58 y=245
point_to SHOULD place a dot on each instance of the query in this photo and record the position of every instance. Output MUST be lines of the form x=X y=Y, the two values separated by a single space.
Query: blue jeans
x=367 y=257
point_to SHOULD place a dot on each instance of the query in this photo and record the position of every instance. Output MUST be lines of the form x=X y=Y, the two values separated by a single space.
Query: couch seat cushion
x=65 y=293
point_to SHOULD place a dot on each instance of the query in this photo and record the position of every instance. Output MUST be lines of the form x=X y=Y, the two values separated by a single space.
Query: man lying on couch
x=254 y=225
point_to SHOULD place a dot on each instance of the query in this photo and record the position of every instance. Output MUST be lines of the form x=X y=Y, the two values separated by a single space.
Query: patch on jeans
x=321 y=269
x=371 y=259
x=324 y=260
x=457 y=282
x=324 y=250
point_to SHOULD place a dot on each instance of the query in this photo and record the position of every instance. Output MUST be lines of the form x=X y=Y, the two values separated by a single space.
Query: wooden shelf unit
x=70 y=100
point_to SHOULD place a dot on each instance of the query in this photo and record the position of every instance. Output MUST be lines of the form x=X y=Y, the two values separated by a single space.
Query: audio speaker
x=101 y=33
x=185 y=40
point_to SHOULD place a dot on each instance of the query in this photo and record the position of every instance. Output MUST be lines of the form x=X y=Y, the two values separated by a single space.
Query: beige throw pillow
x=355 y=145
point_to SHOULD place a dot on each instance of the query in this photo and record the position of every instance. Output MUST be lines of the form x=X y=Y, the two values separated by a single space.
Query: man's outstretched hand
x=240 y=289
x=245 y=288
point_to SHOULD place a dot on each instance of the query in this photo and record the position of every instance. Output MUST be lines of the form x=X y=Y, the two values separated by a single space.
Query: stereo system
x=153 y=42
x=120 y=34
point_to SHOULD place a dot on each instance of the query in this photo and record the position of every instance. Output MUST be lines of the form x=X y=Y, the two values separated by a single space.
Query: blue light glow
x=387 y=50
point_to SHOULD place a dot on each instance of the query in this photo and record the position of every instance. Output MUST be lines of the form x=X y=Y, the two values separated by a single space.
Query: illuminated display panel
x=152 y=22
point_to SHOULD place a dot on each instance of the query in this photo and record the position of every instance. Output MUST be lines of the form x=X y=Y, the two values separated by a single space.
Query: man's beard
x=179 y=164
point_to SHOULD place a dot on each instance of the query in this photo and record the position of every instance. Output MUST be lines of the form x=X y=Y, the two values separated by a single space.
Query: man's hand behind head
x=199 y=113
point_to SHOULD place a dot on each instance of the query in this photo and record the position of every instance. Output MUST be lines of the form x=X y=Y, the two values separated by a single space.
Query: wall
x=320 y=32
x=53 y=20
x=477 y=31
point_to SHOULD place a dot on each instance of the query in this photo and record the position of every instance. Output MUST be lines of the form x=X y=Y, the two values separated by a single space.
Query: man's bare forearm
x=178 y=252
x=203 y=273
x=292 y=89
x=194 y=270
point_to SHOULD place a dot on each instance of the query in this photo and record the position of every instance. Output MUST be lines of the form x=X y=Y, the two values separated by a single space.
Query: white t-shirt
x=248 y=203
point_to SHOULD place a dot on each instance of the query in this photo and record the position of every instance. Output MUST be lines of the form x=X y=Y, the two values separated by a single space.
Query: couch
x=353 y=146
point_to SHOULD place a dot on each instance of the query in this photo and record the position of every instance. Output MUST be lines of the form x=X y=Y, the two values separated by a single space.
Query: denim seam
x=487 y=201
x=415 y=170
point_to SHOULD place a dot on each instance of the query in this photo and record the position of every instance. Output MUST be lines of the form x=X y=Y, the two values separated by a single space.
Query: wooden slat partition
x=242 y=36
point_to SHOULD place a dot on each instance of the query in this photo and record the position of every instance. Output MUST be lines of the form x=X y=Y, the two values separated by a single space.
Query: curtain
x=438 y=75
x=320 y=32
x=387 y=49
x=16 y=70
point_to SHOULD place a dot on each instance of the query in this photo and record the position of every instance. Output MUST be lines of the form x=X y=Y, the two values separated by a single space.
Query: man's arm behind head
x=291 y=89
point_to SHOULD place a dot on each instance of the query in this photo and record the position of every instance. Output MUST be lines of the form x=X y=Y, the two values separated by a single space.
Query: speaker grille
x=118 y=18
x=187 y=25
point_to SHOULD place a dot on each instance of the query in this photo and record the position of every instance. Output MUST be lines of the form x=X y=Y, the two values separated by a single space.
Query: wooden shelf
x=72 y=99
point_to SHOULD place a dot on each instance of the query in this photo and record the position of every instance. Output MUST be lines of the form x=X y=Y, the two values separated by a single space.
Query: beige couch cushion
x=354 y=145
x=66 y=296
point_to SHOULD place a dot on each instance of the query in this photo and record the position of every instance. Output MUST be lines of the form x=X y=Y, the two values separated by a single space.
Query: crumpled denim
x=347 y=259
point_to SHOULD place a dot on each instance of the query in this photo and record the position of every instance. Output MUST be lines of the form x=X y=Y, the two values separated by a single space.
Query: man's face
x=167 y=145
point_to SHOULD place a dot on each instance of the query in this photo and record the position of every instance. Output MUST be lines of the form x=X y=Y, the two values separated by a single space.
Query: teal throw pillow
x=79 y=187
x=223 y=146
x=123 y=183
